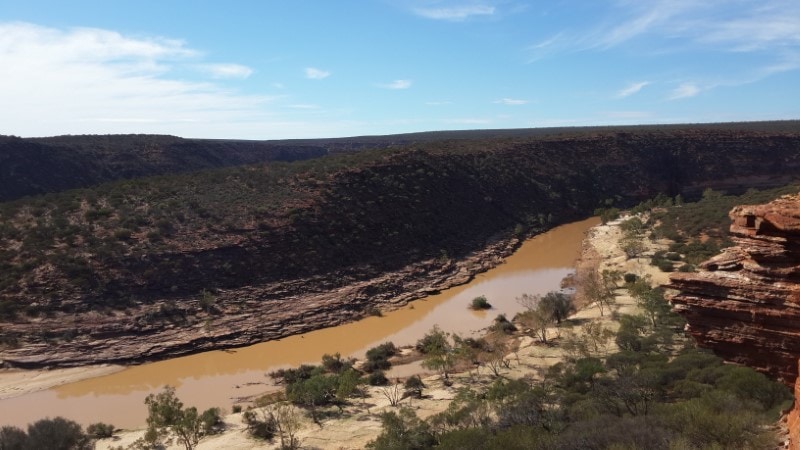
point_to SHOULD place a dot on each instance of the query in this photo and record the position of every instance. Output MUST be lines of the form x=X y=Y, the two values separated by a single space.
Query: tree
x=650 y=299
x=632 y=246
x=166 y=413
x=539 y=315
x=596 y=335
x=439 y=354
x=12 y=438
x=403 y=431
x=287 y=421
x=316 y=391
x=599 y=287
x=558 y=303
x=57 y=434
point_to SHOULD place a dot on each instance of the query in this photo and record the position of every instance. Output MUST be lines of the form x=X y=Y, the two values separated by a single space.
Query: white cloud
x=227 y=70
x=83 y=80
x=685 y=90
x=632 y=89
x=397 y=84
x=511 y=101
x=456 y=13
x=312 y=73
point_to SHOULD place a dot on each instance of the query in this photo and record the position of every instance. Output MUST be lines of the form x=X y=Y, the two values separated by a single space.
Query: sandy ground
x=360 y=422
x=15 y=382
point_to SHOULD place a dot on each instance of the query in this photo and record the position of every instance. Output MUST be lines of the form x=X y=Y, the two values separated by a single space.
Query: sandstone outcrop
x=744 y=303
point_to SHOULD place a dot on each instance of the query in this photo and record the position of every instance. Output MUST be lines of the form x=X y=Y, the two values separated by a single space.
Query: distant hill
x=41 y=165
x=32 y=166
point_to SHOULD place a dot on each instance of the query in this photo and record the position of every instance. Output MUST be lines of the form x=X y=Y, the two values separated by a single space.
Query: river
x=219 y=378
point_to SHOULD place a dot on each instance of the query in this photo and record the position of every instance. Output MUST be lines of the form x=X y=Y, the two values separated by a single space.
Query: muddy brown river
x=220 y=378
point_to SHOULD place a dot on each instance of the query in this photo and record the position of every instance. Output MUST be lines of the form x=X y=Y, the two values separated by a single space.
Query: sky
x=276 y=69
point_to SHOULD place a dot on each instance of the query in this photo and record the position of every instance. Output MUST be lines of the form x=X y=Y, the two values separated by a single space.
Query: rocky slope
x=164 y=266
x=745 y=303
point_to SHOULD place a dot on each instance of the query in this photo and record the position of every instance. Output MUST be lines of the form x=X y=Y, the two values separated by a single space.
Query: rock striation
x=744 y=303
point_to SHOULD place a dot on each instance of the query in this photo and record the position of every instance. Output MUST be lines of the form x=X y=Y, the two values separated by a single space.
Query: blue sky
x=324 y=68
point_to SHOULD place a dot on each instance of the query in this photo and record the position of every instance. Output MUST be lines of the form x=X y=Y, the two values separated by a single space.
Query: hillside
x=34 y=166
x=149 y=268
x=42 y=165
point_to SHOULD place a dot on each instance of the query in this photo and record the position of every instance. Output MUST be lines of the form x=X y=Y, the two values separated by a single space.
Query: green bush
x=666 y=266
x=480 y=302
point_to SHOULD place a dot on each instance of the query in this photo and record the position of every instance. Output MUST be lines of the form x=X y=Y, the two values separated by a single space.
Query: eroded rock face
x=744 y=304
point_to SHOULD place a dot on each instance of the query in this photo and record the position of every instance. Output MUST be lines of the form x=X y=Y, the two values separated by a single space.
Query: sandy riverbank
x=14 y=382
x=360 y=422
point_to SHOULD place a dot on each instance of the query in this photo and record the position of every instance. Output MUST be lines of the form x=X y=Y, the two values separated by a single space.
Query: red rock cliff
x=744 y=303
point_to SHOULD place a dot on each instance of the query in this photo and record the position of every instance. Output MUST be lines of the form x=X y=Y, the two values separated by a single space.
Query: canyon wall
x=744 y=304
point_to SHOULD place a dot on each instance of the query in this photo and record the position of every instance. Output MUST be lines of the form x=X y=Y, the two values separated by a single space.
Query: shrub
x=413 y=386
x=383 y=351
x=666 y=265
x=480 y=303
x=630 y=277
x=236 y=409
x=261 y=428
x=100 y=430
x=503 y=325
x=377 y=378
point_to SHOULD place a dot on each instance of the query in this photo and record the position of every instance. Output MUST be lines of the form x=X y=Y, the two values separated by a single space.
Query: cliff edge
x=744 y=304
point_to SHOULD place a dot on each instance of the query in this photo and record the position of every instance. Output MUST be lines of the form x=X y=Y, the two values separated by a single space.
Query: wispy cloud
x=740 y=25
x=312 y=73
x=684 y=90
x=511 y=101
x=632 y=89
x=456 y=13
x=226 y=70
x=396 y=84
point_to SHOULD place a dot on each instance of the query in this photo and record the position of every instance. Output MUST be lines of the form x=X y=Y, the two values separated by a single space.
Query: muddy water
x=219 y=378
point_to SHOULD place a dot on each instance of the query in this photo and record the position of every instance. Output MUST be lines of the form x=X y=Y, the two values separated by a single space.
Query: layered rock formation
x=745 y=303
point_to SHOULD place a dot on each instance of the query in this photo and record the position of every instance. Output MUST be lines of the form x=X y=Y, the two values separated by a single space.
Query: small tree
x=287 y=421
x=539 y=315
x=599 y=288
x=439 y=354
x=403 y=431
x=650 y=299
x=166 y=413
